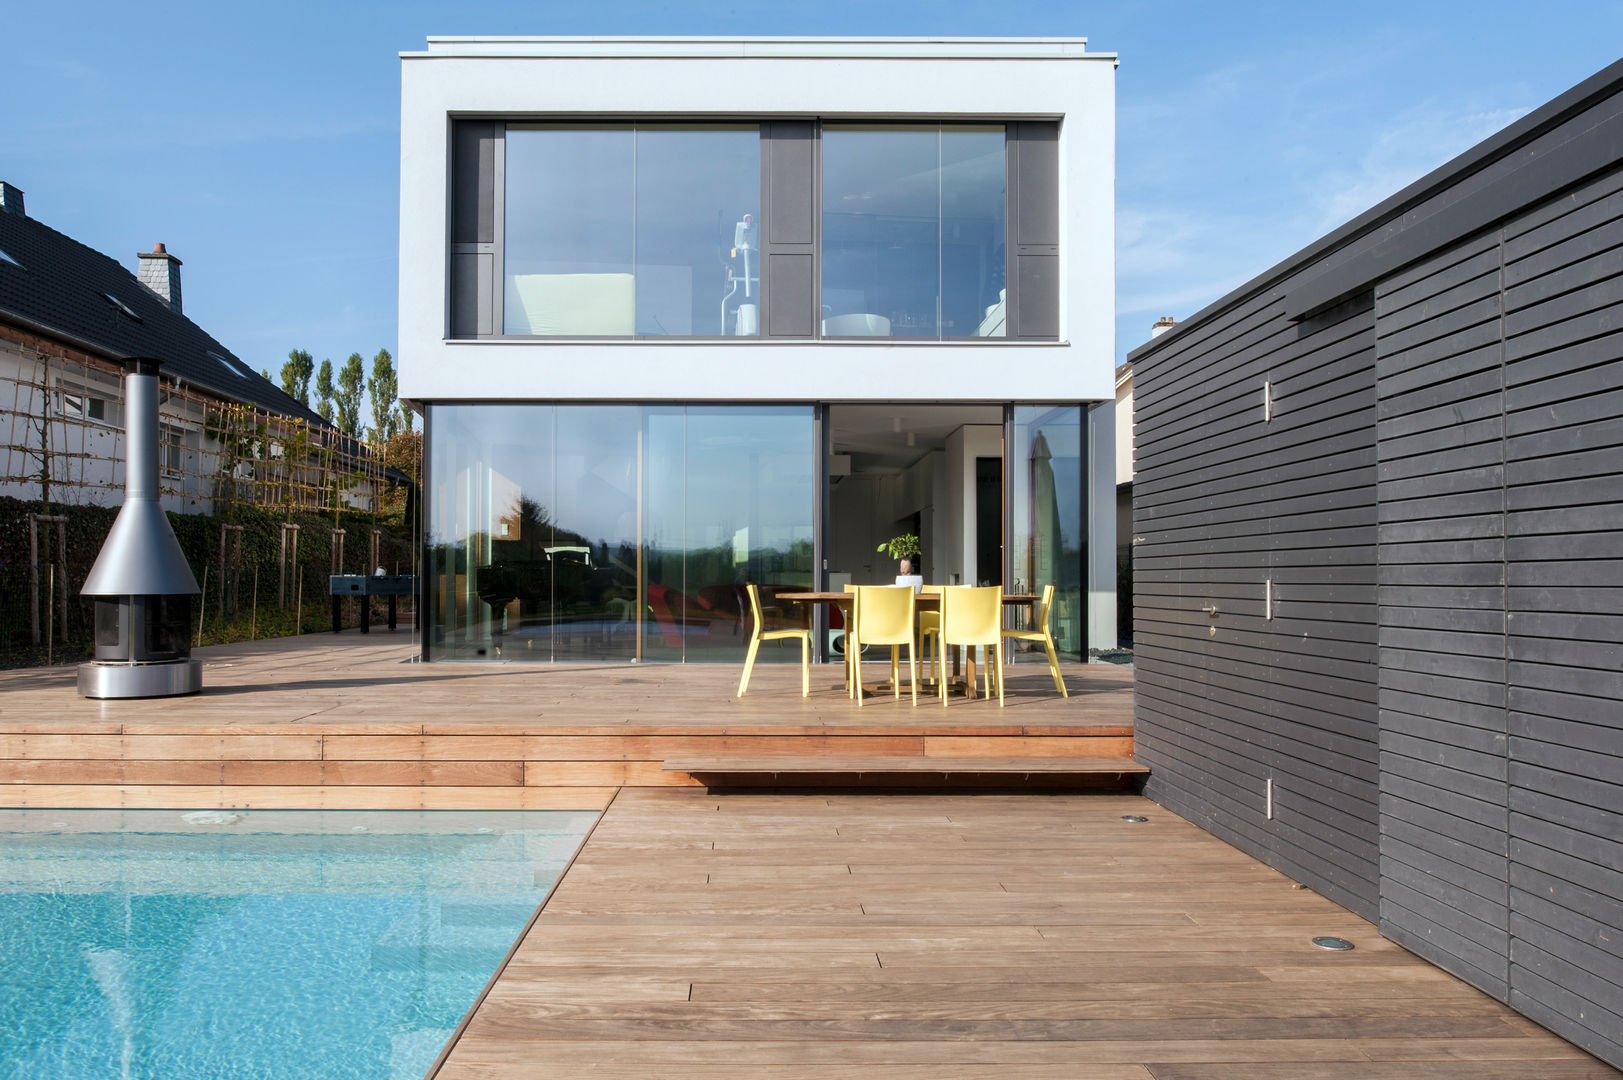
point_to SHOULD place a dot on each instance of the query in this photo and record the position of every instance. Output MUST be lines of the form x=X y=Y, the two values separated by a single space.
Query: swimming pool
x=339 y=945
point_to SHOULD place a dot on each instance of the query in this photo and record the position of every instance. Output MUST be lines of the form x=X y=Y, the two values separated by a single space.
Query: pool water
x=339 y=945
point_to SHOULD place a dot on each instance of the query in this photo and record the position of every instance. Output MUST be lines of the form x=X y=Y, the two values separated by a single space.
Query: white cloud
x=1417 y=142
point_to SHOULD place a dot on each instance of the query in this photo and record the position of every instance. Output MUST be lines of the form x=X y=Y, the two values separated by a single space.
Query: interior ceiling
x=868 y=432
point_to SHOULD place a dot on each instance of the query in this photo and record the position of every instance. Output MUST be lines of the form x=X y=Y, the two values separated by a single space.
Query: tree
x=351 y=384
x=296 y=376
x=383 y=388
x=325 y=391
x=408 y=419
x=403 y=451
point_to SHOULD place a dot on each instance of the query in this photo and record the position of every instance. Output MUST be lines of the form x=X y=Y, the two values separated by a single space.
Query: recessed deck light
x=1334 y=944
x=1134 y=817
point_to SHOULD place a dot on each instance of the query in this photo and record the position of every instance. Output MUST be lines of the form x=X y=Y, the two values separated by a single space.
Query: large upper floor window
x=782 y=229
x=620 y=231
x=913 y=231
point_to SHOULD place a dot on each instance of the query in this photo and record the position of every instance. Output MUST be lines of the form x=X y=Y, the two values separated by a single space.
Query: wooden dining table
x=923 y=601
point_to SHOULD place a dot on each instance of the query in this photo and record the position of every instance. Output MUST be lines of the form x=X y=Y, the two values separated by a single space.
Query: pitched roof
x=59 y=287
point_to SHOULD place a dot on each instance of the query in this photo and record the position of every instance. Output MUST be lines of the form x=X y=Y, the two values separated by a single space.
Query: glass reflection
x=594 y=552
x=749 y=502
x=664 y=617
x=556 y=532
x=913 y=231
x=568 y=232
x=490 y=528
x=1047 y=514
x=698 y=239
x=972 y=213
x=621 y=230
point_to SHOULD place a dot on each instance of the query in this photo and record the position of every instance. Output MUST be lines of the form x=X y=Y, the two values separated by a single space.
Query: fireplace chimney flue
x=141 y=582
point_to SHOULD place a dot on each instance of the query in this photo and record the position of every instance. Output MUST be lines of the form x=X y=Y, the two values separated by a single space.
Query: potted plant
x=904 y=547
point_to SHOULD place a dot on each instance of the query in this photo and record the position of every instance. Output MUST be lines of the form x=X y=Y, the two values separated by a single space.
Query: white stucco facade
x=958 y=80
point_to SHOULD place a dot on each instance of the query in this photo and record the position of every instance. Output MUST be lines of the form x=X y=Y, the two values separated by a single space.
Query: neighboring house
x=685 y=314
x=1379 y=628
x=69 y=314
x=1124 y=484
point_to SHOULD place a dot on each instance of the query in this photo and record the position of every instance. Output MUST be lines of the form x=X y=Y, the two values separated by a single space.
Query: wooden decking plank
x=793 y=968
x=280 y=723
x=838 y=763
x=1475 y=1069
x=518 y=1070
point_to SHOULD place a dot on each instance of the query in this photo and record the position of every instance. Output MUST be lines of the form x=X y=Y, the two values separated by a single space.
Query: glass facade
x=1048 y=516
x=622 y=230
x=614 y=532
x=913 y=231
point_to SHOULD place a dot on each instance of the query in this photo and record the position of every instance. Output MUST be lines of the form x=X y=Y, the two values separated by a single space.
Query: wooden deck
x=799 y=937
x=788 y=936
x=347 y=721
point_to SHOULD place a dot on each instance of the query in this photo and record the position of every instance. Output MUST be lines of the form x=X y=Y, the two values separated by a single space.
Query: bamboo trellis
x=63 y=441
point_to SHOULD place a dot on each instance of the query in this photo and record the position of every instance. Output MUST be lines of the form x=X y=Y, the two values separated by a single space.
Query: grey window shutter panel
x=1033 y=256
x=473 y=228
x=473 y=189
x=789 y=182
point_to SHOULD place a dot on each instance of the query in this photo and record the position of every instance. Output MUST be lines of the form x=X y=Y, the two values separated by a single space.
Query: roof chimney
x=160 y=272
x=11 y=199
x=1162 y=325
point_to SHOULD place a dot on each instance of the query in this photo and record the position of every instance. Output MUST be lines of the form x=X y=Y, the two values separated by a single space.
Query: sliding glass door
x=614 y=532
x=1047 y=514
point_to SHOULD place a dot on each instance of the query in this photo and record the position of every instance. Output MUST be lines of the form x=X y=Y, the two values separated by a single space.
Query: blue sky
x=260 y=142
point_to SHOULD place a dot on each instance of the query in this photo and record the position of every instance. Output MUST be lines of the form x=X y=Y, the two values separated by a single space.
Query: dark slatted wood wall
x=1229 y=494
x=1500 y=365
x=1563 y=297
x=1437 y=500
x=1442 y=612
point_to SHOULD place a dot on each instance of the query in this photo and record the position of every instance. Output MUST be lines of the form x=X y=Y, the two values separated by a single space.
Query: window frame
x=939 y=127
x=475 y=228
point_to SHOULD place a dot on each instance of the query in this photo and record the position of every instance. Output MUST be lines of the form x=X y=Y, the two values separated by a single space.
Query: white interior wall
x=865 y=510
x=963 y=446
x=857 y=506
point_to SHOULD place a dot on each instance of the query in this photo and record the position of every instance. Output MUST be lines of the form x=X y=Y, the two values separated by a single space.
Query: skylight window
x=121 y=306
x=5 y=257
x=232 y=365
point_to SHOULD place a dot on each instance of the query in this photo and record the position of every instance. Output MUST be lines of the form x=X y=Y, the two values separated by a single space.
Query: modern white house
x=684 y=314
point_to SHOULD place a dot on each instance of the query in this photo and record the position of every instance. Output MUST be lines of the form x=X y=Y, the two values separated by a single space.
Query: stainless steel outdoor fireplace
x=141 y=583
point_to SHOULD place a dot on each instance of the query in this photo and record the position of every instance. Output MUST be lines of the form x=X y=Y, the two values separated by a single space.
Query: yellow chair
x=757 y=635
x=930 y=632
x=1044 y=635
x=973 y=616
x=884 y=616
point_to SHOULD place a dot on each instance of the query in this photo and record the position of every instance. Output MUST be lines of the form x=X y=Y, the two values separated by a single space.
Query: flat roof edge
x=1033 y=48
x=1605 y=83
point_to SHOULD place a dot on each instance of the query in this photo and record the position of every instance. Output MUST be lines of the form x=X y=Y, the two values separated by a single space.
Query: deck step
x=721 y=771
